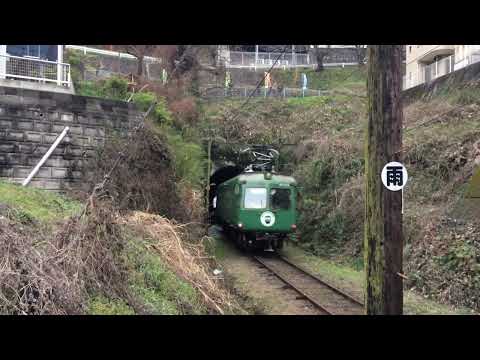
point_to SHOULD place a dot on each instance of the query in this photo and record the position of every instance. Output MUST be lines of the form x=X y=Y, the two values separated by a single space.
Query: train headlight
x=294 y=226
x=240 y=225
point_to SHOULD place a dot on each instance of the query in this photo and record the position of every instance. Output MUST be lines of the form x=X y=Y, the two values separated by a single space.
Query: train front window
x=280 y=199
x=255 y=198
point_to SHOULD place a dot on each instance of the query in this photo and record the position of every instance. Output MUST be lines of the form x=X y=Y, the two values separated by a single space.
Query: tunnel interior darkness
x=222 y=174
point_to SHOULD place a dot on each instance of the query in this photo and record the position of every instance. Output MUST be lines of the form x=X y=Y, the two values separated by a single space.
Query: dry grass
x=57 y=275
x=54 y=275
x=187 y=259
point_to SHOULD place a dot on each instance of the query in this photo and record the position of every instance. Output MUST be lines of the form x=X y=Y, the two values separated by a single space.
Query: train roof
x=259 y=178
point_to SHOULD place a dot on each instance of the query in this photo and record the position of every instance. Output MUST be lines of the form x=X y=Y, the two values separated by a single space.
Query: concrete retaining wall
x=30 y=121
x=469 y=74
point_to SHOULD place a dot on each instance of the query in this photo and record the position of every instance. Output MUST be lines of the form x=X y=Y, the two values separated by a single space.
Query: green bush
x=462 y=255
x=88 y=88
x=324 y=227
x=324 y=235
x=190 y=158
x=161 y=112
x=114 y=88
x=79 y=62
x=143 y=100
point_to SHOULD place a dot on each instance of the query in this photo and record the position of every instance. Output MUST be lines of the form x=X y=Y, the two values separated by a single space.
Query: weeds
x=185 y=258
x=30 y=204
x=102 y=306
x=55 y=276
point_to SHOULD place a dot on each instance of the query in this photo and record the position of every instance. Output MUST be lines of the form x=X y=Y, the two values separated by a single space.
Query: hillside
x=108 y=263
x=140 y=246
x=441 y=144
x=137 y=247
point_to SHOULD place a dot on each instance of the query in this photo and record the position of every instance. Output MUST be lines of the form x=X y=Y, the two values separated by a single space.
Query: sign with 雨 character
x=394 y=176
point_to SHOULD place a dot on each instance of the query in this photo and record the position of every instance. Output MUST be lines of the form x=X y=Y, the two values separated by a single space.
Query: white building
x=425 y=63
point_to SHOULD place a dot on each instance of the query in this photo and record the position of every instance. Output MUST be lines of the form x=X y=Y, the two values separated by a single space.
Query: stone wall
x=31 y=120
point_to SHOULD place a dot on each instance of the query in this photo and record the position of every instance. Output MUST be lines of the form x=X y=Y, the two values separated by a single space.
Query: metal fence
x=114 y=63
x=238 y=59
x=34 y=69
x=219 y=92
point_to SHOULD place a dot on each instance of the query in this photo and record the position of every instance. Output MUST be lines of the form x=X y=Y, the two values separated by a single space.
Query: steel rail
x=309 y=298
x=335 y=289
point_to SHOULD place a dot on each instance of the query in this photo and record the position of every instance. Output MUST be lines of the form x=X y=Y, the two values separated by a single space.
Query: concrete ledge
x=31 y=85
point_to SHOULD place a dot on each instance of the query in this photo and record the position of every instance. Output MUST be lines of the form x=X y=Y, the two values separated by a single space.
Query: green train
x=257 y=209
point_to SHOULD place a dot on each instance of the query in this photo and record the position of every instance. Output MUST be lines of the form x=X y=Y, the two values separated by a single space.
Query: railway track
x=325 y=297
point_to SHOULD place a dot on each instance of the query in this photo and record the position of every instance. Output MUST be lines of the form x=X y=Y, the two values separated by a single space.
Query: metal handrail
x=27 y=68
x=34 y=59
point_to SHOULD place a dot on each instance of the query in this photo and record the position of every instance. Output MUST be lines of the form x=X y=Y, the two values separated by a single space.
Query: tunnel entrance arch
x=219 y=176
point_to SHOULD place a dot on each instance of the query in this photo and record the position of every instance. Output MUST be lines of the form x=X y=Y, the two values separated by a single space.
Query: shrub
x=324 y=218
x=115 y=88
x=80 y=62
x=161 y=112
x=143 y=100
x=190 y=159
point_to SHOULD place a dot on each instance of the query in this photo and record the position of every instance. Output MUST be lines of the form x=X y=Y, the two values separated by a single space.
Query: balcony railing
x=34 y=69
x=438 y=68
x=430 y=72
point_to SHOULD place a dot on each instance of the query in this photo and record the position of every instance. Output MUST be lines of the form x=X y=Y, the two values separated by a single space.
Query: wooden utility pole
x=383 y=244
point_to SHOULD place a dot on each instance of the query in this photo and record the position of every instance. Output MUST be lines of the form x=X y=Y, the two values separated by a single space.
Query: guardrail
x=34 y=69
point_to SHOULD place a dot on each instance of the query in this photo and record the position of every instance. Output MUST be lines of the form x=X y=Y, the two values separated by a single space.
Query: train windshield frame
x=280 y=199
x=255 y=198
